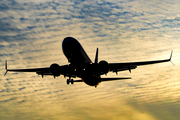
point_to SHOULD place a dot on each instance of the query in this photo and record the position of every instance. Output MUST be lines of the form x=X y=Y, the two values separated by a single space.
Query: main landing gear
x=70 y=81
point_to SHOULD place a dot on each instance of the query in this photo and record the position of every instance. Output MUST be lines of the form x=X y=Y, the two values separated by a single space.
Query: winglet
x=96 y=57
x=171 y=57
x=6 y=68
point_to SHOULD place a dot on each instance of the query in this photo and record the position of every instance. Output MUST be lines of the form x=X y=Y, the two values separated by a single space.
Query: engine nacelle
x=55 y=69
x=104 y=66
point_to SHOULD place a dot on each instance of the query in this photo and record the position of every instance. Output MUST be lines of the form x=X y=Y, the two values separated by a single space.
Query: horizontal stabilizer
x=111 y=79
x=77 y=81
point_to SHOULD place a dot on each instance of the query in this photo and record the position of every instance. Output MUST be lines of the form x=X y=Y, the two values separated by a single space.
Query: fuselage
x=79 y=60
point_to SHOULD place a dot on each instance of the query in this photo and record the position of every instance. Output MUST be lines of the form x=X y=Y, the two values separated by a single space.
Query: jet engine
x=55 y=69
x=104 y=66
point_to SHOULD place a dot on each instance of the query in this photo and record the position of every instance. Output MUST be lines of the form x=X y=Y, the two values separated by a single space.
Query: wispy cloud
x=31 y=33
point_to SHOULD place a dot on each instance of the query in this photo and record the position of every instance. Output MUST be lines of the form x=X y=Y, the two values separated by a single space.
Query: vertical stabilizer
x=96 y=57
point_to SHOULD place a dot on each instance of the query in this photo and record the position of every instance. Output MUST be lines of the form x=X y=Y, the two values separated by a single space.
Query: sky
x=31 y=35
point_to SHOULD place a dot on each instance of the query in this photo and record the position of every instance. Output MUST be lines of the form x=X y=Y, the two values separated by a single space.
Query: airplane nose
x=68 y=41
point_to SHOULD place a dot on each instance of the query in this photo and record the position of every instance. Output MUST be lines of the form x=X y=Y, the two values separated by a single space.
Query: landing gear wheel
x=67 y=81
x=72 y=81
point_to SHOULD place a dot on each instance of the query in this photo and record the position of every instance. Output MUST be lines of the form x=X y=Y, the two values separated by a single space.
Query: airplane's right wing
x=54 y=70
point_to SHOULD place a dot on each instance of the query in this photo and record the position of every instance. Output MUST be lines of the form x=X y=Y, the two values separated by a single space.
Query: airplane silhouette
x=82 y=67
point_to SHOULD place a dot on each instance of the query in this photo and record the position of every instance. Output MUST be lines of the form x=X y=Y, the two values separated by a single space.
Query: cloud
x=31 y=36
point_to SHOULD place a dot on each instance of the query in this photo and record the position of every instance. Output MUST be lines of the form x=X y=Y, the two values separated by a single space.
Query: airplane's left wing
x=115 y=67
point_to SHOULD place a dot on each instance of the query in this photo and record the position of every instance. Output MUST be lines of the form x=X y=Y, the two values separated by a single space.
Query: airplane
x=81 y=66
